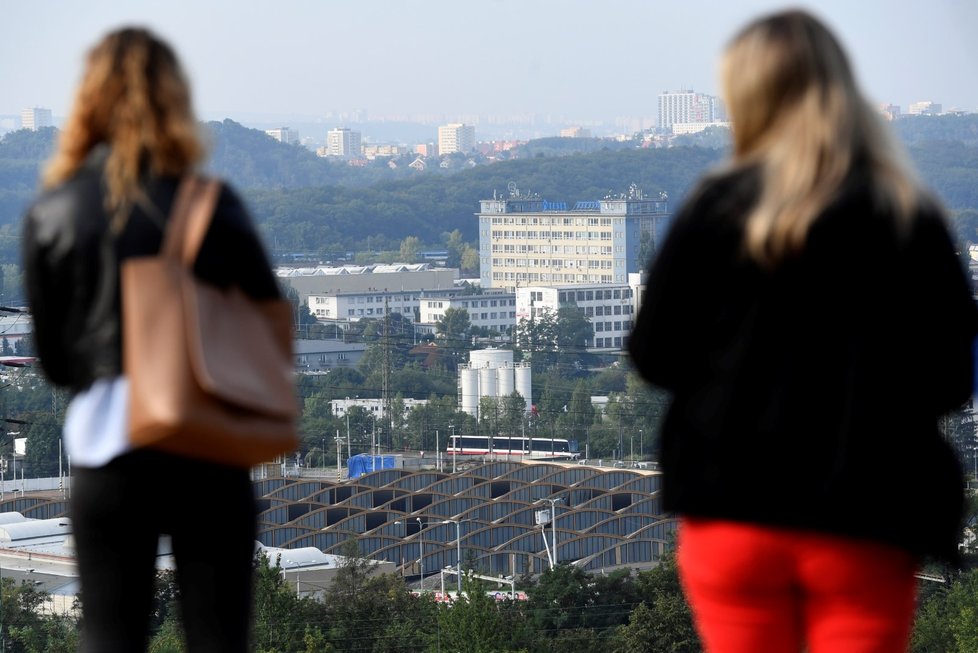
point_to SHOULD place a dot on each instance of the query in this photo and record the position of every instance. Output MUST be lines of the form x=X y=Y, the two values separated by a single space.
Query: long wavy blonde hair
x=797 y=113
x=134 y=98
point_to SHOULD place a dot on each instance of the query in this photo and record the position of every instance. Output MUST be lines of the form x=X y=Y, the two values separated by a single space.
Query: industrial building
x=492 y=373
x=600 y=519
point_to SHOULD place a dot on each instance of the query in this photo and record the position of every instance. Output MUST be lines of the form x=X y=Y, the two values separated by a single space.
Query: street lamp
x=458 y=538
x=421 y=557
x=404 y=524
x=553 y=526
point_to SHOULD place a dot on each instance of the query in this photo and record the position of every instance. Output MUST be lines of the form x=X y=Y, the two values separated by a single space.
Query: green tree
x=454 y=326
x=367 y=612
x=470 y=260
x=947 y=618
x=455 y=245
x=560 y=599
x=574 y=332
x=280 y=618
x=512 y=413
x=489 y=416
x=476 y=623
x=579 y=416
x=663 y=621
x=24 y=628
x=410 y=251
x=53 y=633
x=43 y=435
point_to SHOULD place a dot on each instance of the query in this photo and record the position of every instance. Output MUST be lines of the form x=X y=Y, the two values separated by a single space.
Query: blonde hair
x=797 y=113
x=134 y=98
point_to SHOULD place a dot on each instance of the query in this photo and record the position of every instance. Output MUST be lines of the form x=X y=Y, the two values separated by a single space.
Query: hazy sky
x=579 y=58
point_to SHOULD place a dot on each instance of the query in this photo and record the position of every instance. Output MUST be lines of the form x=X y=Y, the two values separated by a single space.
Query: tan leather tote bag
x=210 y=370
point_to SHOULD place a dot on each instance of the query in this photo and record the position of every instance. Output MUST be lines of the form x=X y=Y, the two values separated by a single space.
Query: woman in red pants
x=812 y=321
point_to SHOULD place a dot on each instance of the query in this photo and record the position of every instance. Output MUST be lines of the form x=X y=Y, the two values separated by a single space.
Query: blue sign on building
x=554 y=206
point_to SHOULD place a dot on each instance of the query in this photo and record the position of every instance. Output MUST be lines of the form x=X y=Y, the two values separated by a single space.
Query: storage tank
x=487 y=382
x=490 y=358
x=524 y=384
x=504 y=378
x=469 y=379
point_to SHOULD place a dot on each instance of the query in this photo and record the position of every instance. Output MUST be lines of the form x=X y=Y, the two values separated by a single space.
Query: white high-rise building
x=456 y=137
x=525 y=240
x=925 y=108
x=284 y=135
x=343 y=142
x=683 y=107
x=35 y=118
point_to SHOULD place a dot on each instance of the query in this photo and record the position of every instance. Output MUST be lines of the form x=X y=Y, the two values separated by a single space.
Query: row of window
x=475 y=303
x=320 y=358
x=555 y=249
x=488 y=315
x=367 y=299
x=625 y=325
x=500 y=234
x=617 y=309
x=557 y=278
x=607 y=343
x=353 y=312
x=565 y=222
x=566 y=297
x=601 y=311
x=554 y=263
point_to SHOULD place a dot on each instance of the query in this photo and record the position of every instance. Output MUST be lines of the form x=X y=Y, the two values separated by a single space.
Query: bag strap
x=190 y=218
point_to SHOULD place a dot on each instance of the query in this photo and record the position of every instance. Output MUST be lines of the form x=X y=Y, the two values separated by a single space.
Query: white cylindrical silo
x=504 y=379
x=487 y=382
x=470 y=390
x=524 y=384
x=490 y=358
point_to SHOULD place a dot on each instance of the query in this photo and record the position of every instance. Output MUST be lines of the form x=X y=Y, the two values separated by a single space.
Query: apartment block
x=687 y=106
x=456 y=137
x=343 y=142
x=284 y=135
x=35 y=118
x=528 y=241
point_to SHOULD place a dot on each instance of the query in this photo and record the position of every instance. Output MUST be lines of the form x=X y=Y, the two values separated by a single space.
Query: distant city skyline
x=301 y=60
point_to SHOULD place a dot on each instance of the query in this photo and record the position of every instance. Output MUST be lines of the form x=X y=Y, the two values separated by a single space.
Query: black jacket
x=808 y=395
x=71 y=268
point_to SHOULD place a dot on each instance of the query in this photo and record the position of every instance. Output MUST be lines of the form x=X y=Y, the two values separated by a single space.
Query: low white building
x=611 y=308
x=310 y=571
x=493 y=311
x=374 y=407
x=352 y=306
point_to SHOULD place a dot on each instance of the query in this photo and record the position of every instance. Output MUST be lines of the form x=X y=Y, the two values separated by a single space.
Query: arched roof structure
x=603 y=517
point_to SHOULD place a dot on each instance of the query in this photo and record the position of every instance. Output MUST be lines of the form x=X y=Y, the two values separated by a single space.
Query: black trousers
x=118 y=513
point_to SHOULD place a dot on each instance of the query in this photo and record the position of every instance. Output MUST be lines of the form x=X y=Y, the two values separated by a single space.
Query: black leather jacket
x=71 y=267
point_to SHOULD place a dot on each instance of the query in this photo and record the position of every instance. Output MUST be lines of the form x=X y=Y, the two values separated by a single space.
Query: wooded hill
x=307 y=204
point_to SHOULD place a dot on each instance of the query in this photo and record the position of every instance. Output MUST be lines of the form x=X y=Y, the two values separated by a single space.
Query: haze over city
x=441 y=60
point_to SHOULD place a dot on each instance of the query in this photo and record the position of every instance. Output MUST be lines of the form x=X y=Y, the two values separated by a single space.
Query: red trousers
x=760 y=589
